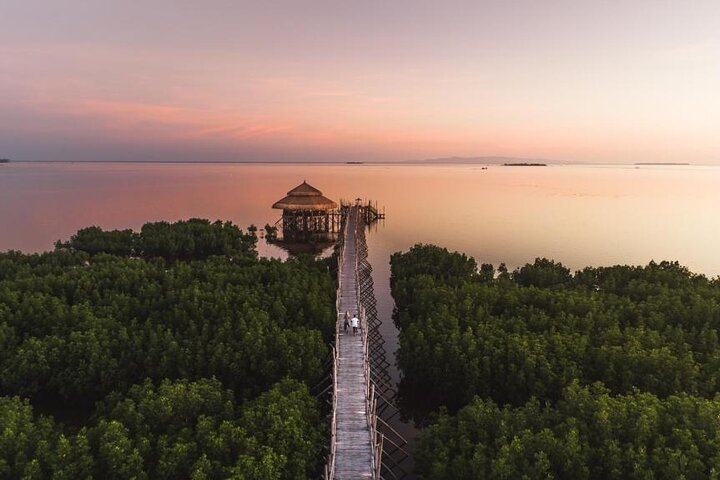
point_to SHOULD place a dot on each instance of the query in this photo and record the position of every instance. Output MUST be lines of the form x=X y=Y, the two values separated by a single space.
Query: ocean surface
x=579 y=215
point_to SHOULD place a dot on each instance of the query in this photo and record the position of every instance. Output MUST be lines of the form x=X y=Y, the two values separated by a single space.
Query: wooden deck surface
x=353 y=457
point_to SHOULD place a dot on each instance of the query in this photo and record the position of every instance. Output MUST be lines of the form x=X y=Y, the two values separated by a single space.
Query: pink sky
x=612 y=81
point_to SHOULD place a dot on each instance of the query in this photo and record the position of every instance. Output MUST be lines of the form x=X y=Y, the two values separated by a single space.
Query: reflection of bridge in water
x=362 y=444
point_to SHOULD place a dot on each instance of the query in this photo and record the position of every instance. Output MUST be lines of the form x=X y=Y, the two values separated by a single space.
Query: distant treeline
x=200 y=355
x=610 y=372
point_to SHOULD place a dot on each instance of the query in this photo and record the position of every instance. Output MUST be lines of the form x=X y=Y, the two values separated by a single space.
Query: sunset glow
x=373 y=81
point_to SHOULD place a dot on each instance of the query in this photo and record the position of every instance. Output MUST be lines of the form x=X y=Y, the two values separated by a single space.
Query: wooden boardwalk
x=353 y=439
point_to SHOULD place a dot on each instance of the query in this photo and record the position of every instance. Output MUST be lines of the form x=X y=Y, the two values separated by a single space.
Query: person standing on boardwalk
x=346 y=322
x=354 y=322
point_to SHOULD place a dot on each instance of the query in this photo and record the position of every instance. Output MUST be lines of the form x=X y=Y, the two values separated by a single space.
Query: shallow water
x=579 y=215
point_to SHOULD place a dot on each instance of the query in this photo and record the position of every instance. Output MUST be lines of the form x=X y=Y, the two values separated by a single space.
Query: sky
x=333 y=80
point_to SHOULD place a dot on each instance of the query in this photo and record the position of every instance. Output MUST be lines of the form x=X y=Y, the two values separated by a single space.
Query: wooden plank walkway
x=354 y=450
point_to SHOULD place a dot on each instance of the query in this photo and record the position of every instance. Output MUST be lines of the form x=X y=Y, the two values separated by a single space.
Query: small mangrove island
x=662 y=163
x=524 y=164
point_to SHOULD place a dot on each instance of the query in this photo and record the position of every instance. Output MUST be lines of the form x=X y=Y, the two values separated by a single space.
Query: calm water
x=580 y=215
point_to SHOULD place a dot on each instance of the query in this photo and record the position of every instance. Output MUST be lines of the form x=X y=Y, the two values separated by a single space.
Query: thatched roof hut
x=305 y=197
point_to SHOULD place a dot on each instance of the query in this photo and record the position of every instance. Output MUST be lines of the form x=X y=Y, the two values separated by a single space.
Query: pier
x=362 y=444
x=355 y=444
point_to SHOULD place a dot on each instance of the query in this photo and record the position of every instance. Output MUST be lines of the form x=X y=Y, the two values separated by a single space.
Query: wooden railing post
x=353 y=213
x=329 y=469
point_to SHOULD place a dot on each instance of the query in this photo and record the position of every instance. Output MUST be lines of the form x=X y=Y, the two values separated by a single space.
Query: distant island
x=4 y=160
x=524 y=164
x=661 y=163
x=489 y=160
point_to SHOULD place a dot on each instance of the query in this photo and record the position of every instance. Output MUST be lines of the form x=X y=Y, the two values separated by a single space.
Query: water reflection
x=578 y=215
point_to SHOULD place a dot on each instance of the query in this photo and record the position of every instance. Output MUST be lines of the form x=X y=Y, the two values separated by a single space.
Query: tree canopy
x=200 y=354
x=192 y=239
x=521 y=338
x=587 y=435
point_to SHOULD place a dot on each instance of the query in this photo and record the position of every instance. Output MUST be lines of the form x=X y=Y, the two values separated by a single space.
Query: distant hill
x=480 y=161
x=661 y=163
x=524 y=164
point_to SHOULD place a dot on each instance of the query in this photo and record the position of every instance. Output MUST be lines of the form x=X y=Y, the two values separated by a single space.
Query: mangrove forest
x=173 y=352
x=542 y=373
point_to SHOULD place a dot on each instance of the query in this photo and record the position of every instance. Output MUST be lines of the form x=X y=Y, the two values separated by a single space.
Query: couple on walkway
x=354 y=322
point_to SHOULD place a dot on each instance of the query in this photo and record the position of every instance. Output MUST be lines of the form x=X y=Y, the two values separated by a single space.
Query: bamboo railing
x=376 y=437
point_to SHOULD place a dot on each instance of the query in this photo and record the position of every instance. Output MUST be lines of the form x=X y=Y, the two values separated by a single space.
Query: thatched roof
x=305 y=197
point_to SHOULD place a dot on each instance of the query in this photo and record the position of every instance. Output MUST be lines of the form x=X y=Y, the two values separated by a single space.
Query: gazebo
x=308 y=215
